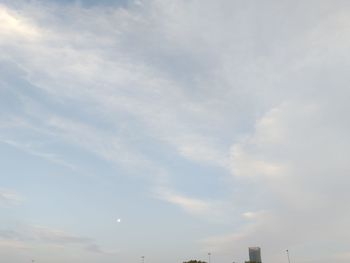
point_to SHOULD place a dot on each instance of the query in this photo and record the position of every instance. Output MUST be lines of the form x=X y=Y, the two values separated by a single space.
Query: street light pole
x=209 y=254
x=288 y=255
x=143 y=259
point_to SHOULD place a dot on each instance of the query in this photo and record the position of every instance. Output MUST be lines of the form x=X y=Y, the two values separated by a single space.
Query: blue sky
x=205 y=126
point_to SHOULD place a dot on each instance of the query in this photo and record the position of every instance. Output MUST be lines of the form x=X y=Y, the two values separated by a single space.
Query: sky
x=173 y=129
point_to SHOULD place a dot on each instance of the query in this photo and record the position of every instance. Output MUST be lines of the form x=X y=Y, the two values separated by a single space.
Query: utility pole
x=288 y=255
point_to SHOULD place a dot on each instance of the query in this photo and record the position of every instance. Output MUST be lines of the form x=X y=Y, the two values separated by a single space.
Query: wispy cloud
x=125 y=86
x=208 y=210
x=31 y=149
x=14 y=26
x=28 y=236
x=224 y=86
x=51 y=235
x=9 y=197
x=13 y=244
x=190 y=205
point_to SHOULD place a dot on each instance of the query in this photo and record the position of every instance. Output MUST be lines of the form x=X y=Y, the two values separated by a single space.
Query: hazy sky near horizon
x=205 y=126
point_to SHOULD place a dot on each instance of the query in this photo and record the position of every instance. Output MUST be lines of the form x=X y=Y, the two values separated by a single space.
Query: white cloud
x=253 y=215
x=259 y=88
x=13 y=244
x=50 y=235
x=14 y=26
x=298 y=175
x=214 y=211
x=10 y=197
x=249 y=166
x=29 y=148
x=26 y=237
x=190 y=205
x=201 y=149
x=125 y=85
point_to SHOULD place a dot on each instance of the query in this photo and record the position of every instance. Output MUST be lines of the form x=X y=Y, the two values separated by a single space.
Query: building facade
x=255 y=254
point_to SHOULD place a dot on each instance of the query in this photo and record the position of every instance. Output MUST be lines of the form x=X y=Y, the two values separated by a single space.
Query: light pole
x=143 y=259
x=209 y=254
x=288 y=256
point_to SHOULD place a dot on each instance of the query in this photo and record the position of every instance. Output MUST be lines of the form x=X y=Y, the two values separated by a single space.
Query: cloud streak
x=250 y=98
x=29 y=236
x=9 y=197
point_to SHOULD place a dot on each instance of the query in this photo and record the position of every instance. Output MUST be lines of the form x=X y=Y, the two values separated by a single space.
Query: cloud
x=126 y=85
x=190 y=205
x=218 y=84
x=253 y=215
x=9 y=197
x=8 y=234
x=221 y=243
x=296 y=176
x=97 y=249
x=13 y=244
x=28 y=236
x=201 y=149
x=213 y=211
x=14 y=26
x=50 y=235
x=248 y=166
x=31 y=149
x=342 y=256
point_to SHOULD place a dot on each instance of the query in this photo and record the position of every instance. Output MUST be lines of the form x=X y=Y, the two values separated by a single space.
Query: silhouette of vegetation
x=195 y=261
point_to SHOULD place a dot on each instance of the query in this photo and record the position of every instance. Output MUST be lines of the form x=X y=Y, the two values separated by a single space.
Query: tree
x=194 y=261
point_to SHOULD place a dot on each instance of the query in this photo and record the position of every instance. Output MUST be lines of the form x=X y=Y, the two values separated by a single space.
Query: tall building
x=255 y=254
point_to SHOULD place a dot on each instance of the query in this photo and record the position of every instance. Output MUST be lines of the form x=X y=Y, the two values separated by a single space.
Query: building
x=254 y=255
